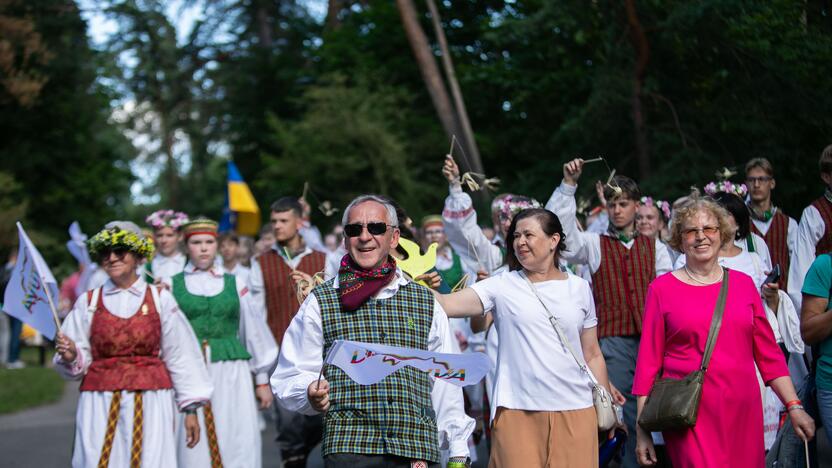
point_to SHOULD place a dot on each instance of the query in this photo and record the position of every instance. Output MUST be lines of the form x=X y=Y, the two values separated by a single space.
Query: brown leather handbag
x=674 y=403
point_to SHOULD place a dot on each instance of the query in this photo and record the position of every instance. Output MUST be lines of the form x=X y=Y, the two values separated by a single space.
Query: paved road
x=42 y=437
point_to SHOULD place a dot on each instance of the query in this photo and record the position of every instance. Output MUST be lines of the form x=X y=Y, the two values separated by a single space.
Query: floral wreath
x=663 y=206
x=510 y=205
x=166 y=218
x=117 y=237
x=726 y=186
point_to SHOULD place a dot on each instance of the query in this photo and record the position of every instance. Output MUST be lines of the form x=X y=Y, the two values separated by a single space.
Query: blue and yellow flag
x=241 y=213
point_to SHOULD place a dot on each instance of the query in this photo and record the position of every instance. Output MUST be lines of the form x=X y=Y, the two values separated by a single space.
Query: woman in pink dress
x=678 y=311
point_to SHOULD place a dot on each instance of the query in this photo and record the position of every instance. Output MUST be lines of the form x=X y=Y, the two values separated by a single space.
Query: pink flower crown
x=663 y=206
x=166 y=218
x=510 y=205
x=728 y=187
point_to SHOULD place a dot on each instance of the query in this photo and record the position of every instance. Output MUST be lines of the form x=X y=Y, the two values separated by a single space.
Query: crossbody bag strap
x=716 y=321
x=559 y=331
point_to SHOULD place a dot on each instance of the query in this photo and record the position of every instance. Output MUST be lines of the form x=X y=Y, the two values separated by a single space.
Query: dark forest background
x=365 y=98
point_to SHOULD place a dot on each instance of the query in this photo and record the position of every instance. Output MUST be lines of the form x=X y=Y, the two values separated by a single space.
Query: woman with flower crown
x=238 y=347
x=652 y=217
x=137 y=358
x=169 y=260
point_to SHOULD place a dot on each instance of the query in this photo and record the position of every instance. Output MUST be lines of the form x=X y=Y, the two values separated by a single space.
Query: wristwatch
x=459 y=462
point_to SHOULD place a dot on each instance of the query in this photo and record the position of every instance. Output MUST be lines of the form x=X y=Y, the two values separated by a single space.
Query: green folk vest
x=215 y=319
x=394 y=416
x=454 y=274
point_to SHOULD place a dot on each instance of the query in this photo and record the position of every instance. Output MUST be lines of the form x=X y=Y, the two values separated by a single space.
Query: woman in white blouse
x=137 y=358
x=237 y=346
x=542 y=401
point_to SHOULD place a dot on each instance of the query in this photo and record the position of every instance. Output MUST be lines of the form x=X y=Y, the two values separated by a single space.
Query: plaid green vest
x=394 y=416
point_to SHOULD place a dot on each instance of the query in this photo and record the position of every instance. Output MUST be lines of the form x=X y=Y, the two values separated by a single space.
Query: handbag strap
x=559 y=331
x=716 y=321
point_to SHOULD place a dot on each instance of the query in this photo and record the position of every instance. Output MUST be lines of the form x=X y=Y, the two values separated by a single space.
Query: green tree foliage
x=65 y=160
x=348 y=142
x=340 y=103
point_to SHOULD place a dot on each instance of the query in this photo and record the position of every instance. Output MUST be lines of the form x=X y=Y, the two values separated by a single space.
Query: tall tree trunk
x=173 y=177
x=333 y=8
x=264 y=30
x=642 y=48
x=461 y=111
x=427 y=67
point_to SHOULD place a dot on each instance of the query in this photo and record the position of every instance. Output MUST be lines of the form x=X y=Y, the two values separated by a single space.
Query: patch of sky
x=184 y=15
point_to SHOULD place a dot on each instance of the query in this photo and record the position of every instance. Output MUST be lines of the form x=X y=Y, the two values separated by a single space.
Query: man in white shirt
x=622 y=265
x=405 y=419
x=274 y=294
x=767 y=221
x=814 y=234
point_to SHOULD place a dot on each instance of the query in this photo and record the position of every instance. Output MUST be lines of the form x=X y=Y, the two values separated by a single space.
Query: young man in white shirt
x=622 y=265
x=814 y=234
x=767 y=221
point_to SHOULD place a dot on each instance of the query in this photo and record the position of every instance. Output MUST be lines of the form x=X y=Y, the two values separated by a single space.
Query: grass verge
x=30 y=386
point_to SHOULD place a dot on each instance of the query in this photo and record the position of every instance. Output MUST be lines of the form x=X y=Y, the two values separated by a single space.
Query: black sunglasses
x=376 y=229
x=104 y=255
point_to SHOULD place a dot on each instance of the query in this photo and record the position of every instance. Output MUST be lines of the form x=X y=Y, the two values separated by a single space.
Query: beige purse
x=601 y=398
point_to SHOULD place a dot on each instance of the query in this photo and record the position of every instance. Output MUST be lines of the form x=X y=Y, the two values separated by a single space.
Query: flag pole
x=53 y=309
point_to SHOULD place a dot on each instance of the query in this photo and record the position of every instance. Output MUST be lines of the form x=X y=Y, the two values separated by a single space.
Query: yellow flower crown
x=117 y=237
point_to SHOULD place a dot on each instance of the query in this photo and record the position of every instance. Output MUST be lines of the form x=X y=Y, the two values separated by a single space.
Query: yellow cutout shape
x=417 y=264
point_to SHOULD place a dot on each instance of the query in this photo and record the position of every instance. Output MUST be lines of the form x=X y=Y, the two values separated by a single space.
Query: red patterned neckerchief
x=356 y=285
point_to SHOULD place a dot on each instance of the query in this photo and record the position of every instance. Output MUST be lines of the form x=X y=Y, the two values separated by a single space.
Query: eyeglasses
x=756 y=180
x=376 y=229
x=104 y=255
x=709 y=231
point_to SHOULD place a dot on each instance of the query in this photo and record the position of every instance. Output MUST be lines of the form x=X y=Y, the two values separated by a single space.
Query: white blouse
x=535 y=371
x=253 y=333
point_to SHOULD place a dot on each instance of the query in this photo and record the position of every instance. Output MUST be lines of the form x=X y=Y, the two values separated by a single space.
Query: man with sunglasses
x=274 y=293
x=768 y=221
x=399 y=421
x=622 y=264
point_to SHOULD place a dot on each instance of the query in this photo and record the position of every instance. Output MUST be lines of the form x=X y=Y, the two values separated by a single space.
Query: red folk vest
x=125 y=352
x=777 y=240
x=620 y=285
x=281 y=295
x=824 y=207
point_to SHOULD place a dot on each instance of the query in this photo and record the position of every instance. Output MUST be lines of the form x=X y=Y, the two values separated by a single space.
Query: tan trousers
x=550 y=439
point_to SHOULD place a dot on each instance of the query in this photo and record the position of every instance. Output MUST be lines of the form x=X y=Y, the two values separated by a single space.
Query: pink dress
x=729 y=428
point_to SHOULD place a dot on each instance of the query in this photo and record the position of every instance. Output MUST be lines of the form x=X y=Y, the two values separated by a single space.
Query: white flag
x=367 y=363
x=25 y=296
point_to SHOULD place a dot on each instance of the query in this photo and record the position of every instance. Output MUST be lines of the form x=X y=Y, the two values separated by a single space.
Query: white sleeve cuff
x=567 y=189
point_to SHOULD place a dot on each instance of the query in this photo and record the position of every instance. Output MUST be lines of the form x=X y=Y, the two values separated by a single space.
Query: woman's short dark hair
x=549 y=223
x=738 y=209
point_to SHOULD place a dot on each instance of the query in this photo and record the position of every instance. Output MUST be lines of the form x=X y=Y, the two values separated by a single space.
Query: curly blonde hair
x=688 y=209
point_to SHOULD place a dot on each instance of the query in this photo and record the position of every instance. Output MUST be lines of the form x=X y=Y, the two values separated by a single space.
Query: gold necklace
x=690 y=275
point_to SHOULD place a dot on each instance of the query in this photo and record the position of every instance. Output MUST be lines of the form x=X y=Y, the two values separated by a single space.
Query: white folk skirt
x=158 y=428
x=235 y=417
